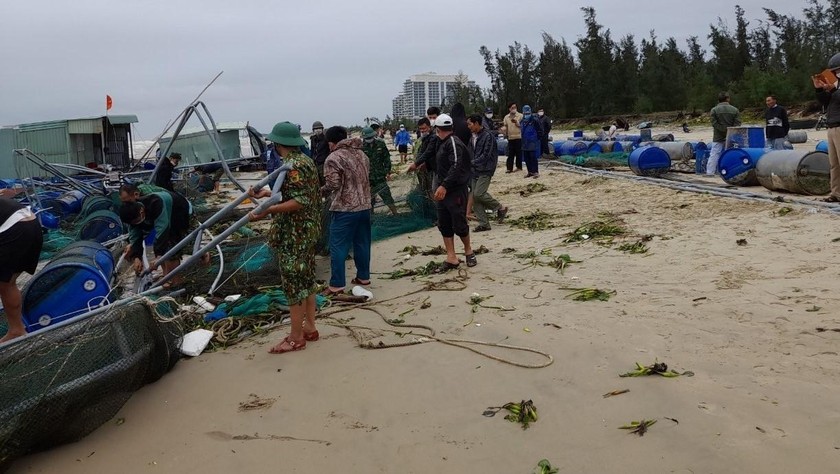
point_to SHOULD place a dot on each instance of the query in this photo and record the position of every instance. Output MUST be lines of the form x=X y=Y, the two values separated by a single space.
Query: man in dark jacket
x=320 y=148
x=424 y=159
x=829 y=96
x=454 y=167
x=485 y=159
x=163 y=177
x=545 y=122
x=777 y=126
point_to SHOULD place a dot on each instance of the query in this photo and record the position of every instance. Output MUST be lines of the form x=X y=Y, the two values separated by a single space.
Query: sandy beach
x=743 y=318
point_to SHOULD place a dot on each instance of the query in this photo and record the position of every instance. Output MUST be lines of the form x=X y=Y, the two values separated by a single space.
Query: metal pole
x=279 y=173
x=40 y=162
x=185 y=116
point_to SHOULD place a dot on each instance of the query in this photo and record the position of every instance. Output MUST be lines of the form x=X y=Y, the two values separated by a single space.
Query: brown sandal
x=294 y=345
x=311 y=336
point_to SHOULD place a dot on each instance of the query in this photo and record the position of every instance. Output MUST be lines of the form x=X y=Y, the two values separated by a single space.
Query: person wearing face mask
x=320 y=149
x=402 y=140
x=513 y=133
x=545 y=122
x=488 y=123
x=829 y=96
x=424 y=177
x=531 y=135
x=380 y=168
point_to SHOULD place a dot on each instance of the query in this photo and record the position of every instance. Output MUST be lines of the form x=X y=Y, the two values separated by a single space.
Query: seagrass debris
x=657 y=368
x=535 y=221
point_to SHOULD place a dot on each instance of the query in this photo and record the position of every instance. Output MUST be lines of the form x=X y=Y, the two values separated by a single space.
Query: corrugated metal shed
x=84 y=126
x=122 y=119
x=197 y=148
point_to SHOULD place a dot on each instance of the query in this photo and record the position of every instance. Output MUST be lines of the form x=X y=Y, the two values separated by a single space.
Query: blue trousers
x=349 y=229
x=532 y=160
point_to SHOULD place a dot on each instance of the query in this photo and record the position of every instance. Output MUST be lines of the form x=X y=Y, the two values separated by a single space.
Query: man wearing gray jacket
x=485 y=160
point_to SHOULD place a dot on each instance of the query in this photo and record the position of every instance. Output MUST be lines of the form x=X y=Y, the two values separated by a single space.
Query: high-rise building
x=422 y=91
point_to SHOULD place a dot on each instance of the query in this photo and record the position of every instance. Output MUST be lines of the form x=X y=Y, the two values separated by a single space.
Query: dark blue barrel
x=101 y=226
x=649 y=161
x=594 y=148
x=570 y=147
x=577 y=134
x=70 y=202
x=701 y=156
x=737 y=165
x=822 y=146
x=755 y=136
x=48 y=220
x=78 y=278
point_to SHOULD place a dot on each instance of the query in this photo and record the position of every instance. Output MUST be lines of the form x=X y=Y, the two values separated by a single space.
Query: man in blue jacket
x=485 y=159
x=402 y=140
x=531 y=135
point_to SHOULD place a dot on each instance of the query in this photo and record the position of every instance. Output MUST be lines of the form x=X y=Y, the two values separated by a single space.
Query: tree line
x=598 y=75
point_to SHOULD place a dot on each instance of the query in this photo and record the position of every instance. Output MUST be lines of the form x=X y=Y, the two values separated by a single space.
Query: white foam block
x=194 y=343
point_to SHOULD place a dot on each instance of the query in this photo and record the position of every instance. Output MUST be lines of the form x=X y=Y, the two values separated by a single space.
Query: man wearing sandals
x=452 y=176
x=346 y=176
x=294 y=232
x=828 y=95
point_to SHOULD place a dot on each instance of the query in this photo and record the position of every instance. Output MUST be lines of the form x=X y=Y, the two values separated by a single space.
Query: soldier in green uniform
x=380 y=168
x=295 y=229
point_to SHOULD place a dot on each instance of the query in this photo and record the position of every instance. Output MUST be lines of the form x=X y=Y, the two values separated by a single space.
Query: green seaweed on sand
x=657 y=368
x=537 y=220
x=638 y=427
x=425 y=270
x=596 y=230
x=533 y=188
x=589 y=294
x=634 y=247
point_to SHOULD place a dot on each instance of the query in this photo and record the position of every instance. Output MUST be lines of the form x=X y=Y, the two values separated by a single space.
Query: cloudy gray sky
x=329 y=60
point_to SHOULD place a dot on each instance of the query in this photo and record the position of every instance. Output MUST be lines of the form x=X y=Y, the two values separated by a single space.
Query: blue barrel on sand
x=649 y=161
x=101 y=226
x=594 y=148
x=611 y=147
x=76 y=280
x=737 y=165
x=701 y=156
x=47 y=219
x=570 y=147
x=822 y=146
x=577 y=134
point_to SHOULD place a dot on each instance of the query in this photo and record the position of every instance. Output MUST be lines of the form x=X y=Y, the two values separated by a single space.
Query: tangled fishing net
x=62 y=383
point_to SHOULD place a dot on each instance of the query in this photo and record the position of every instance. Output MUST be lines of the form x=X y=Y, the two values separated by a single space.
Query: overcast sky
x=329 y=60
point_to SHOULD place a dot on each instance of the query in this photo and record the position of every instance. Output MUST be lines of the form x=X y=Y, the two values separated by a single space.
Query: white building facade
x=422 y=91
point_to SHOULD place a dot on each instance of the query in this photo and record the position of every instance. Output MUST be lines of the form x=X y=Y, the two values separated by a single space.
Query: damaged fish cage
x=63 y=382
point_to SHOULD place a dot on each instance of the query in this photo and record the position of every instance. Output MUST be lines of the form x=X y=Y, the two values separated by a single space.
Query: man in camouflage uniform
x=294 y=231
x=380 y=168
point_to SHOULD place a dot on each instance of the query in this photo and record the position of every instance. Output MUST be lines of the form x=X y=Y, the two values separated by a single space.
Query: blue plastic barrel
x=822 y=146
x=101 y=226
x=70 y=202
x=48 y=220
x=570 y=147
x=737 y=165
x=755 y=137
x=649 y=161
x=701 y=156
x=577 y=134
x=77 y=279
x=594 y=149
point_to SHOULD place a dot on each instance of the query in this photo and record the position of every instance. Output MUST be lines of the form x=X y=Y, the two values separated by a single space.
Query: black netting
x=61 y=383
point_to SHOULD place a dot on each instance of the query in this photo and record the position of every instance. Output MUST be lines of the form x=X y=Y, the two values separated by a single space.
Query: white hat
x=402 y=126
x=443 y=120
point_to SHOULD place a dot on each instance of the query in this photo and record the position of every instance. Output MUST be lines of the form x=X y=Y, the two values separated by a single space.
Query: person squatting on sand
x=294 y=232
x=380 y=168
x=164 y=214
x=454 y=167
x=485 y=159
x=21 y=239
x=346 y=173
